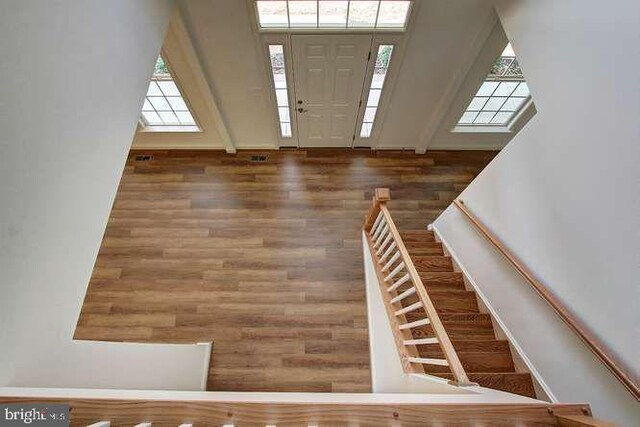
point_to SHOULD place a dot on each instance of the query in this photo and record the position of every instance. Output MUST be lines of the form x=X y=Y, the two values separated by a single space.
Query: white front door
x=329 y=72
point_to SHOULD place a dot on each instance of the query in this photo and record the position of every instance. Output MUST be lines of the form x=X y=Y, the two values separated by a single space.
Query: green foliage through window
x=161 y=67
x=384 y=56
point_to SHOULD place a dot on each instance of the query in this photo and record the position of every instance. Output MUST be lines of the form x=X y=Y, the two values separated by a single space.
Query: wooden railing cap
x=382 y=195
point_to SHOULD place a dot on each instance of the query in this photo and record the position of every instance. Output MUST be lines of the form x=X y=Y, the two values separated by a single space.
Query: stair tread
x=453 y=292
x=428 y=263
x=472 y=361
x=429 y=249
x=441 y=277
x=472 y=345
x=511 y=382
x=417 y=236
x=432 y=256
x=461 y=323
x=467 y=331
x=465 y=317
x=454 y=317
x=448 y=301
x=464 y=346
x=444 y=294
x=431 y=287
x=454 y=301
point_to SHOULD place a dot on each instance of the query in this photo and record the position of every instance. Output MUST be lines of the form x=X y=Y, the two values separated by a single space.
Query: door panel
x=342 y=87
x=329 y=72
x=315 y=86
x=314 y=126
x=339 y=125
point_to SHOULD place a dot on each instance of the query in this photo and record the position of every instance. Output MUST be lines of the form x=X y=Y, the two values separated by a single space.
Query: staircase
x=435 y=319
x=486 y=359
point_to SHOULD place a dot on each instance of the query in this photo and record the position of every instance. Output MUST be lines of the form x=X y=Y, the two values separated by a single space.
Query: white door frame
x=398 y=39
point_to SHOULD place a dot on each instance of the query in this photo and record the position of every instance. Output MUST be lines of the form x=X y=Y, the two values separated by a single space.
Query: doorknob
x=302 y=110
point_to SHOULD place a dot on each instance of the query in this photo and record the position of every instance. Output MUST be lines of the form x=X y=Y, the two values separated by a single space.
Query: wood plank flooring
x=263 y=258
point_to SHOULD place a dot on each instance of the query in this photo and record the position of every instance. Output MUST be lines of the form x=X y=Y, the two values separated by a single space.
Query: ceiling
x=443 y=40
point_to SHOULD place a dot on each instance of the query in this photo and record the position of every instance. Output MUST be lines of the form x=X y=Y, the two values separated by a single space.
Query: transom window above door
x=333 y=14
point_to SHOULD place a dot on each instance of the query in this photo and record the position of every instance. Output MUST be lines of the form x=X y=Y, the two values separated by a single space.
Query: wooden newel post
x=380 y=197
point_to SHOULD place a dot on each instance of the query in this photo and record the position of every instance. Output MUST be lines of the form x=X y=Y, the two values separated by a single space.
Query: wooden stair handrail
x=589 y=339
x=381 y=197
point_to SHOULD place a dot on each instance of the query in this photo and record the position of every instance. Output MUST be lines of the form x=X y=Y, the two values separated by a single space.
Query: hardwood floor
x=263 y=258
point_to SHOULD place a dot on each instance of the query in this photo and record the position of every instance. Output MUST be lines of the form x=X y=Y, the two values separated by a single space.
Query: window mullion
x=153 y=106
x=346 y=24
x=375 y=24
x=288 y=15
x=166 y=98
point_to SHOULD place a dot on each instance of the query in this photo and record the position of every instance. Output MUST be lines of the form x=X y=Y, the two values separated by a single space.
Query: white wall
x=444 y=39
x=73 y=78
x=234 y=64
x=564 y=194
